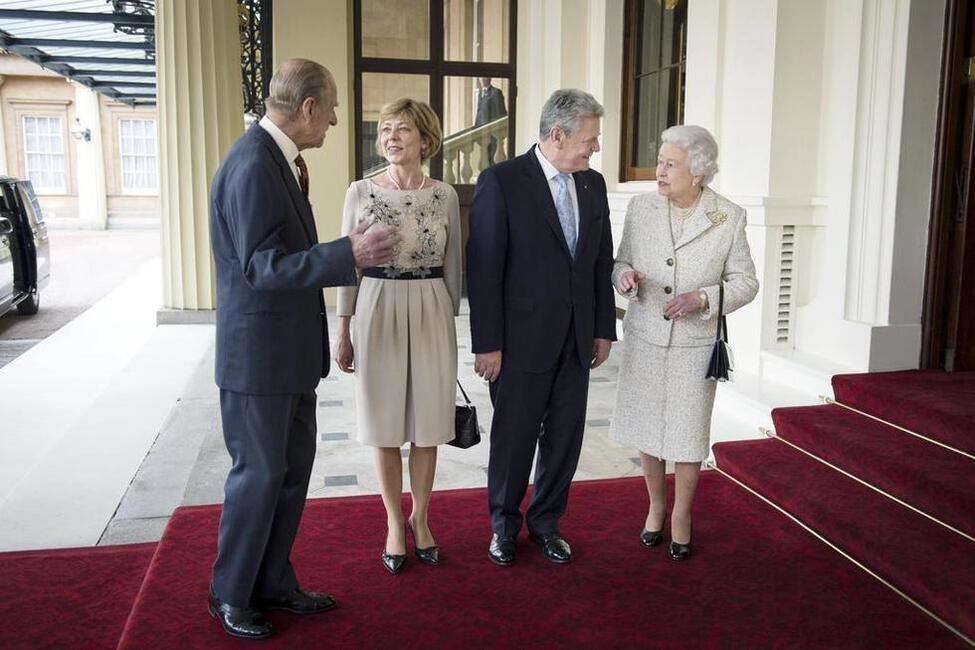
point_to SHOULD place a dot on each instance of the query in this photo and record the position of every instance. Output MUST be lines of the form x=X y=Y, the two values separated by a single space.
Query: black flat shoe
x=429 y=555
x=680 y=551
x=554 y=547
x=393 y=563
x=240 y=622
x=502 y=550
x=651 y=538
x=299 y=602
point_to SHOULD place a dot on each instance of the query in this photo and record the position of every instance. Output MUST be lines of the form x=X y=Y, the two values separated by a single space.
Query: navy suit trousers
x=271 y=440
x=543 y=409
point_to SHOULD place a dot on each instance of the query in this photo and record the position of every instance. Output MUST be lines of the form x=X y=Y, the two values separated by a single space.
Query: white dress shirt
x=553 y=185
x=287 y=146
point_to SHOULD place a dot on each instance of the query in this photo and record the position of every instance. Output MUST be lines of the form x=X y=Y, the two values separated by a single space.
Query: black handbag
x=466 y=432
x=722 y=365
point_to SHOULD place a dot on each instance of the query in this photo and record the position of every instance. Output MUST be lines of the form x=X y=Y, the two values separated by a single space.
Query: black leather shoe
x=651 y=538
x=240 y=622
x=393 y=563
x=554 y=547
x=299 y=602
x=502 y=550
x=429 y=555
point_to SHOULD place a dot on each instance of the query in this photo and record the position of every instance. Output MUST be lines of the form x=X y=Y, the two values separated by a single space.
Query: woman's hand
x=629 y=281
x=683 y=305
x=344 y=354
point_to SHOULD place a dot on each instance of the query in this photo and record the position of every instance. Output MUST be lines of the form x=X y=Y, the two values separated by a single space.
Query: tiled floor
x=189 y=463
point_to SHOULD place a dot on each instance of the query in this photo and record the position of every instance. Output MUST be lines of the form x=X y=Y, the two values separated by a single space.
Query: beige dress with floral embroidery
x=403 y=335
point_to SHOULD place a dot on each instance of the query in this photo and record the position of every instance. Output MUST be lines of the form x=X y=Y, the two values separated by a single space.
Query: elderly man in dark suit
x=540 y=257
x=272 y=343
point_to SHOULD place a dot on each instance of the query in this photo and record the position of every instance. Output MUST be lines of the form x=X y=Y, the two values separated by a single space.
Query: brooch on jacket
x=717 y=218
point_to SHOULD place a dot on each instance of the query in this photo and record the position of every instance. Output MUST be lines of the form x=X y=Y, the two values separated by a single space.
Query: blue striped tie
x=567 y=217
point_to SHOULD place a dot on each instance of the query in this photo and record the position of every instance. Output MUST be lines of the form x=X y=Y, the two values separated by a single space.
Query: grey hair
x=700 y=147
x=296 y=80
x=565 y=109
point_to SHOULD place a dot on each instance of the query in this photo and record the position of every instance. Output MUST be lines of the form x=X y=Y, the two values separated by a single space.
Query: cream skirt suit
x=403 y=335
x=664 y=402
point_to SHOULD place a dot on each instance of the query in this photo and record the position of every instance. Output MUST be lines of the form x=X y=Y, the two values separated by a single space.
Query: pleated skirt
x=405 y=347
x=664 y=402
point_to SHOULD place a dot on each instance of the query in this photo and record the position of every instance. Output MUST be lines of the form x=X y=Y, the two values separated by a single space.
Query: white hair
x=700 y=147
x=565 y=109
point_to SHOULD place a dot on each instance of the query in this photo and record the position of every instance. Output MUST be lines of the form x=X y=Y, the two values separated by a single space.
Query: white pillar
x=89 y=161
x=200 y=115
x=3 y=142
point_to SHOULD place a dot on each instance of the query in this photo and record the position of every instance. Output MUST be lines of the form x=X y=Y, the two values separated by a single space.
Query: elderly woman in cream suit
x=679 y=245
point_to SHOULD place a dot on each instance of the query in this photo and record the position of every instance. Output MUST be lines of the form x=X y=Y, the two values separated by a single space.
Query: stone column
x=200 y=115
x=3 y=144
x=90 y=162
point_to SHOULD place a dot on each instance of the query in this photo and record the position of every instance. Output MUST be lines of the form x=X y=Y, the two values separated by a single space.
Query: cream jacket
x=712 y=249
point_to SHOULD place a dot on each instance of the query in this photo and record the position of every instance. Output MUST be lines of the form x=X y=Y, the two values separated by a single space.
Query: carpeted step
x=756 y=580
x=69 y=598
x=928 y=562
x=939 y=405
x=931 y=478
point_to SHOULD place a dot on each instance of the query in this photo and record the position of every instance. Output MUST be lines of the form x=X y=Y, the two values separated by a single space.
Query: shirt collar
x=286 y=144
x=547 y=168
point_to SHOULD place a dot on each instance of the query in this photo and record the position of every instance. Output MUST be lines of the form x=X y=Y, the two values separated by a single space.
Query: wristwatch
x=703 y=297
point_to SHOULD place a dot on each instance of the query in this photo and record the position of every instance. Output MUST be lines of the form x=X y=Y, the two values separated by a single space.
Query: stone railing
x=465 y=153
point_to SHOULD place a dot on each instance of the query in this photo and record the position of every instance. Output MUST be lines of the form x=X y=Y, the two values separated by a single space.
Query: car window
x=32 y=207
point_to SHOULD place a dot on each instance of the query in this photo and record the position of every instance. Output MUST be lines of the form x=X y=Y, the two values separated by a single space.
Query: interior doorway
x=949 y=303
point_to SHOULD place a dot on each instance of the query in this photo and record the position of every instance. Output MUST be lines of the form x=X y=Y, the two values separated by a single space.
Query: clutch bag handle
x=462 y=392
x=722 y=319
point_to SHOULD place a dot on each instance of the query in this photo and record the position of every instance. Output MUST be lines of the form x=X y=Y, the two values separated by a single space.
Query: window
x=44 y=153
x=457 y=55
x=137 y=150
x=655 y=58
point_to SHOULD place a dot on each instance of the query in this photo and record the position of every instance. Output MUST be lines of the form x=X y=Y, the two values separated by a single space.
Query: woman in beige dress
x=396 y=329
x=679 y=246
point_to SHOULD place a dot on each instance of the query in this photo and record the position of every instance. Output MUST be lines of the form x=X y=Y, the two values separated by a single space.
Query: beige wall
x=28 y=89
x=326 y=38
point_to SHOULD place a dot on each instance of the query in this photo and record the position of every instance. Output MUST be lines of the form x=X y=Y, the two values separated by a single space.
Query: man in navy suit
x=539 y=257
x=272 y=343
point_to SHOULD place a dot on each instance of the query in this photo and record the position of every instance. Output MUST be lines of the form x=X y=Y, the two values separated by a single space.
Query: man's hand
x=488 y=365
x=372 y=243
x=600 y=352
x=683 y=305
x=344 y=354
x=629 y=281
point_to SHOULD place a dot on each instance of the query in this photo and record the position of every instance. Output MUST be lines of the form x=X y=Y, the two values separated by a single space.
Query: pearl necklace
x=423 y=179
x=683 y=213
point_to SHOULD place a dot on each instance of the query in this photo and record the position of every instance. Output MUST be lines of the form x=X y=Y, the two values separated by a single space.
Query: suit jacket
x=490 y=106
x=272 y=336
x=712 y=249
x=524 y=287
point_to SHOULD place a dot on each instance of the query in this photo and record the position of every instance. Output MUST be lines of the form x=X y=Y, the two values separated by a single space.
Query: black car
x=25 y=260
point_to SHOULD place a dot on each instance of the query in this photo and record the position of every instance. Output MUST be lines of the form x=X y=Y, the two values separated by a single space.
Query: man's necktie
x=567 y=216
x=302 y=174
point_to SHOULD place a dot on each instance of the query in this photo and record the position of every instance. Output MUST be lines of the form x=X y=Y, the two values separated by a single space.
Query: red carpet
x=756 y=580
x=936 y=404
x=925 y=560
x=71 y=598
x=938 y=481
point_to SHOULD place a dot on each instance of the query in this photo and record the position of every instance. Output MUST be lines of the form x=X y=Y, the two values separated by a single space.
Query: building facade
x=93 y=161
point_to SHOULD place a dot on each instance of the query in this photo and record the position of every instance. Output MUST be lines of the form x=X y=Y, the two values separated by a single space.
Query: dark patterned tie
x=302 y=175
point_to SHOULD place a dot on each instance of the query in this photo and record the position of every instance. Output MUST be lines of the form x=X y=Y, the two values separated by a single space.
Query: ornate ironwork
x=137 y=8
x=255 y=52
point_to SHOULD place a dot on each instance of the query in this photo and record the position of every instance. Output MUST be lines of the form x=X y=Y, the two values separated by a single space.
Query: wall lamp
x=79 y=132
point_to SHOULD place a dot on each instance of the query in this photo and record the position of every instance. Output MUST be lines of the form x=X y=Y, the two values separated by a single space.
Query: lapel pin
x=717 y=218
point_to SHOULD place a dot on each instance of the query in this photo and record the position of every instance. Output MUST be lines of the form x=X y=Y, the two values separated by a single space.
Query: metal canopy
x=106 y=45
